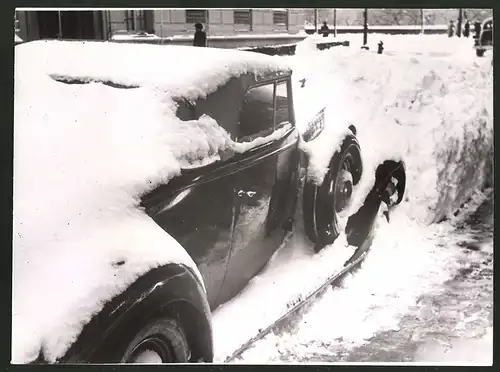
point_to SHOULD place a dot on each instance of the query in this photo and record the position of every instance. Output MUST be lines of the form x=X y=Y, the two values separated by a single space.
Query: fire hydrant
x=380 y=47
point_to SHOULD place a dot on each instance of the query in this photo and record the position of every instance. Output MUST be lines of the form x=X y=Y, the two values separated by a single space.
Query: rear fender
x=172 y=290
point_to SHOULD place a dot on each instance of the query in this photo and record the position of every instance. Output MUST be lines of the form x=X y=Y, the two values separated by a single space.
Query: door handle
x=250 y=194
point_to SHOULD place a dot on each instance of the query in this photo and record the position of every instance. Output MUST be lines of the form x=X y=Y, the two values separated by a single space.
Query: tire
x=322 y=204
x=480 y=52
x=165 y=337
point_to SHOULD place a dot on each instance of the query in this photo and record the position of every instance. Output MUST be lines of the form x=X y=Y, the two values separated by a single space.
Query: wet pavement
x=451 y=323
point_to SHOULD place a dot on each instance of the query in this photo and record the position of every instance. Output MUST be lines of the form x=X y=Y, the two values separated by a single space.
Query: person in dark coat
x=200 y=37
x=324 y=29
x=451 y=29
x=477 y=29
x=467 y=28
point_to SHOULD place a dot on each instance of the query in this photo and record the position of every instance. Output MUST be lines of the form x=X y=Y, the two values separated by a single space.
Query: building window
x=139 y=20
x=280 y=17
x=196 y=16
x=242 y=17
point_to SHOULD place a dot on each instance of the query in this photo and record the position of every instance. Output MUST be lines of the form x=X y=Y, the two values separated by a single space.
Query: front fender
x=171 y=289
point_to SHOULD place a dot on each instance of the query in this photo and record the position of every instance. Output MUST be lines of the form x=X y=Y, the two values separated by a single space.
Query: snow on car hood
x=83 y=154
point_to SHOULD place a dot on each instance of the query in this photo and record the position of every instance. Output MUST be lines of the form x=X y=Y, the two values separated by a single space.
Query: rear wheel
x=160 y=341
x=324 y=204
x=480 y=52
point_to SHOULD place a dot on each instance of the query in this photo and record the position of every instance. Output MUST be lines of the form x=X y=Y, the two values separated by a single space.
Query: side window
x=264 y=109
x=282 y=109
x=257 y=113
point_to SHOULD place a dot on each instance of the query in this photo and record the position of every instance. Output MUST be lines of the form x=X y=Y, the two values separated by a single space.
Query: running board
x=300 y=304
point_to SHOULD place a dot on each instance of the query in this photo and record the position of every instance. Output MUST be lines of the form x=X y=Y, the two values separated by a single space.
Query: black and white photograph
x=306 y=186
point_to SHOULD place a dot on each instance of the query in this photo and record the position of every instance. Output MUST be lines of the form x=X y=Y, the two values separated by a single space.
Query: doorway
x=68 y=25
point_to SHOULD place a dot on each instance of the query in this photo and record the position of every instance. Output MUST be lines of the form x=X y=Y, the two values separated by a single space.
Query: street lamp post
x=315 y=20
x=422 y=21
x=161 y=26
x=365 y=29
x=208 y=23
x=59 y=18
x=459 y=25
x=335 y=22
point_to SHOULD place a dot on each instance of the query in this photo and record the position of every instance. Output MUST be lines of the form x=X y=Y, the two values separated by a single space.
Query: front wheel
x=324 y=204
x=160 y=341
x=480 y=52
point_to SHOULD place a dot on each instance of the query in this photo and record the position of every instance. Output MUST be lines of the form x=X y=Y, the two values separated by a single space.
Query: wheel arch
x=172 y=289
x=310 y=191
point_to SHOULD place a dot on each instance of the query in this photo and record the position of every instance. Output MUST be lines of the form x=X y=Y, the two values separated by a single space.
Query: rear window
x=82 y=80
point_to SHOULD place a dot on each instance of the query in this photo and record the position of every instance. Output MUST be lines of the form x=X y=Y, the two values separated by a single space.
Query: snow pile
x=125 y=35
x=83 y=154
x=433 y=111
x=427 y=109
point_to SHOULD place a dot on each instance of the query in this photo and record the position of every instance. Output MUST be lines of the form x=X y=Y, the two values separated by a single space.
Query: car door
x=200 y=216
x=264 y=187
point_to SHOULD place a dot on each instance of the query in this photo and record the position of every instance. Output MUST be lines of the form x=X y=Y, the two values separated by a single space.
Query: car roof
x=487 y=20
x=190 y=72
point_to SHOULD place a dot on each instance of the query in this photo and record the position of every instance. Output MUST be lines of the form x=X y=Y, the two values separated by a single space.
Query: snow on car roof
x=83 y=155
x=182 y=70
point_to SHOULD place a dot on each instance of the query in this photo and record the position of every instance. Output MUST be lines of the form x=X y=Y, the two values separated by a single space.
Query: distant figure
x=477 y=29
x=200 y=37
x=325 y=30
x=467 y=28
x=451 y=29
x=380 y=49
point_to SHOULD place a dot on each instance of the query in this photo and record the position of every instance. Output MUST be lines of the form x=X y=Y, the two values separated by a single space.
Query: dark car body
x=484 y=41
x=230 y=216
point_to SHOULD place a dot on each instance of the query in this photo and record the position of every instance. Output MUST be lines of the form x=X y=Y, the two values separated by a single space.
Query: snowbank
x=451 y=111
x=83 y=154
x=134 y=36
x=434 y=110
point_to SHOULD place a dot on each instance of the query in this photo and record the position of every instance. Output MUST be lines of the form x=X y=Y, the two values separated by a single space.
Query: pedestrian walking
x=380 y=49
x=451 y=29
x=467 y=28
x=325 y=30
x=200 y=37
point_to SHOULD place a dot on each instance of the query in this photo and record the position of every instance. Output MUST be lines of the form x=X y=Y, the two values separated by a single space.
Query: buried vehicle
x=152 y=183
x=484 y=41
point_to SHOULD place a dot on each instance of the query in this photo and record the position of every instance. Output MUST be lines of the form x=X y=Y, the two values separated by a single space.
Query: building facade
x=102 y=25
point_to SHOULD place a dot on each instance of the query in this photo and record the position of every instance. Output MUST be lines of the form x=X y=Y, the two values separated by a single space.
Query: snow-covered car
x=484 y=41
x=151 y=184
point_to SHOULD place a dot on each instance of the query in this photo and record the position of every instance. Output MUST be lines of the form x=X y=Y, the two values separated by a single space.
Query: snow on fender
x=92 y=275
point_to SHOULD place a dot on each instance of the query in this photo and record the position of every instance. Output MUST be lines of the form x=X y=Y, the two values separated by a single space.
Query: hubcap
x=343 y=190
x=152 y=350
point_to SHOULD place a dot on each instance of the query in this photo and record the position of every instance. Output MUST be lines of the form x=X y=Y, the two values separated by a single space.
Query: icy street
x=448 y=322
